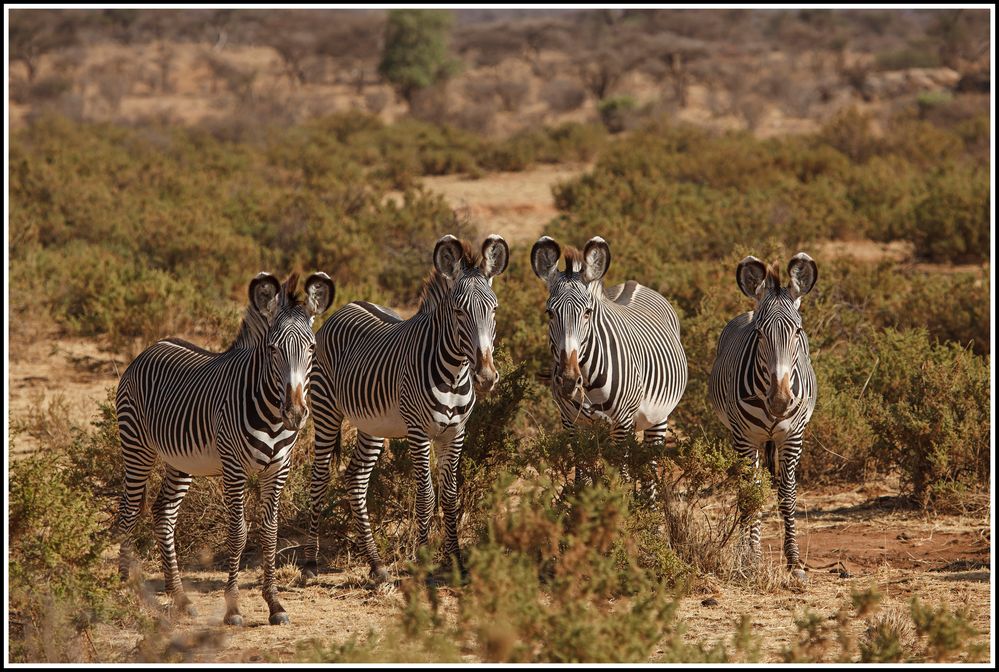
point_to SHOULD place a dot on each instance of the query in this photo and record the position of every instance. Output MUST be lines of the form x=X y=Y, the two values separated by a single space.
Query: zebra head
x=289 y=343
x=570 y=302
x=776 y=322
x=472 y=300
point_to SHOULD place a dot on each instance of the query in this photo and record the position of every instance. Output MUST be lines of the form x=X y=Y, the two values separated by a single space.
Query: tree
x=416 y=50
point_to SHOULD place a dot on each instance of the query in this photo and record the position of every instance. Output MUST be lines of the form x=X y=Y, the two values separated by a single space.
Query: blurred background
x=498 y=71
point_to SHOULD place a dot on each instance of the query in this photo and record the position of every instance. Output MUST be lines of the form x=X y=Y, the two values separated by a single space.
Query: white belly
x=650 y=414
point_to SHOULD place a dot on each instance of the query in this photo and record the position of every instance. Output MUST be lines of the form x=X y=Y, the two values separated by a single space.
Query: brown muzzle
x=569 y=374
x=779 y=399
x=295 y=410
x=486 y=375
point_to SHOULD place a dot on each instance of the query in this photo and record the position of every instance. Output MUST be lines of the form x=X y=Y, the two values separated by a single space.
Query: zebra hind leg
x=327 y=423
x=139 y=462
x=362 y=461
x=175 y=486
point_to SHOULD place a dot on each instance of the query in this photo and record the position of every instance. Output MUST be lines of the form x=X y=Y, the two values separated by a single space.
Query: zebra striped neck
x=448 y=354
x=251 y=331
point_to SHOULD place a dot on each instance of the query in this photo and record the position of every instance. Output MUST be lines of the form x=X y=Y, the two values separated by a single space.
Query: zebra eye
x=587 y=313
x=312 y=348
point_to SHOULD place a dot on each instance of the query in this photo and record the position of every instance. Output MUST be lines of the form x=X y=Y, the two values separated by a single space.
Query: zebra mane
x=773 y=275
x=573 y=259
x=254 y=325
x=436 y=284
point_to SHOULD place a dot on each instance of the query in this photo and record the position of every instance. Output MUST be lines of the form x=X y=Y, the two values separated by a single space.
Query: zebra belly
x=651 y=413
x=198 y=463
x=389 y=425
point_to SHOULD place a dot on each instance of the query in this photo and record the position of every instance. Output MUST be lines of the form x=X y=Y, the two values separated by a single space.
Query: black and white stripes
x=232 y=414
x=763 y=386
x=414 y=378
x=617 y=351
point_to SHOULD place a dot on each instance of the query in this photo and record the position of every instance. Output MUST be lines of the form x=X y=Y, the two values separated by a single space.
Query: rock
x=709 y=602
x=844 y=574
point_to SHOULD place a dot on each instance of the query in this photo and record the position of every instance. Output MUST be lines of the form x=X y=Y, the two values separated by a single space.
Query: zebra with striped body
x=617 y=351
x=232 y=414
x=414 y=378
x=763 y=386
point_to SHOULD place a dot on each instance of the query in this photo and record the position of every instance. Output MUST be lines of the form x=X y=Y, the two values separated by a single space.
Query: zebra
x=763 y=387
x=617 y=351
x=414 y=378
x=235 y=414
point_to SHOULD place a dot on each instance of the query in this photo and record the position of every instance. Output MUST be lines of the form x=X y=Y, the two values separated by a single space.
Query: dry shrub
x=563 y=95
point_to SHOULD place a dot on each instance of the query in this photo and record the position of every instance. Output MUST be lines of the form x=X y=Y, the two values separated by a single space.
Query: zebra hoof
x=186 y=609
x=379 y=575
x=280 y=618
x=233 y=619
x=310 y=571
x=799 y=575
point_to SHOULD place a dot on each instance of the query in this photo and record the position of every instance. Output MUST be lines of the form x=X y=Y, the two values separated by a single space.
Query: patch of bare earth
x=516 y=205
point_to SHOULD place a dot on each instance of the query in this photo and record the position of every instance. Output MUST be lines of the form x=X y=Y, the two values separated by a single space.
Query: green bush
x=617 y=112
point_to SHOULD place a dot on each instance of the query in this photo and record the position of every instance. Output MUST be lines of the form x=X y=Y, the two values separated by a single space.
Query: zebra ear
x=495 y=256
x=319 y=293
x=544 y=257
x=265 y=292
x=447 y=256
x=596 y=259
x=804 y=272
x=750 y=274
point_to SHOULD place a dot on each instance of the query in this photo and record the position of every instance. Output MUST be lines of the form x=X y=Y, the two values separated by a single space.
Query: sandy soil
x=942 y=559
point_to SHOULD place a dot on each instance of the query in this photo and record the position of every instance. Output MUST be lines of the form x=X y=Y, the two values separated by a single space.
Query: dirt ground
x=850 y=538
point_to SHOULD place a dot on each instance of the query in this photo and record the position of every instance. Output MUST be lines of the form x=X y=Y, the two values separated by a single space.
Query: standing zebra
x=617 y=351
x=762 y=384
x=234 y=413
x=407 y=378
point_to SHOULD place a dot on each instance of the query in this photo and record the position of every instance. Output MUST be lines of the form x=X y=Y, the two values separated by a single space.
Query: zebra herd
x=616 y=357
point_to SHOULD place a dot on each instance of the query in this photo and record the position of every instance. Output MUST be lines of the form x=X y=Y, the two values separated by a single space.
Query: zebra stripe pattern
x=763 y=387
x=414 y=378
x=617 y=351
x=232 y=414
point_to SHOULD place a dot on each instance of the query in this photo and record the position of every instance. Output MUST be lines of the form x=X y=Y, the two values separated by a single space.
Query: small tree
x=416 y=50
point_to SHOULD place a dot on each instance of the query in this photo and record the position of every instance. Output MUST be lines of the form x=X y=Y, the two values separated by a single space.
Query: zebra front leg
x=419 y=455
x=751 y=530
x=787 y=488
x=654 y=439
x=621 y=434
x=362 y=461
x=270 y=496
x=327 y=423
x=175 y=486
x=449 y=498
x=138 y=465
x=234 y=489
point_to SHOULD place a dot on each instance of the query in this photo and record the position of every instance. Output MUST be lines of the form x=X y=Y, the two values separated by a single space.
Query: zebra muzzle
x=568 y=375
x=486 y=375
x=294 y=410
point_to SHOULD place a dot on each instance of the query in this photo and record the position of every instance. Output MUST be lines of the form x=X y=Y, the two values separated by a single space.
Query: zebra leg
x=362 y=461
x=234 y=489
x=327 y=422
x=654 y=438
x=172 y=492
x=419 y=454
x=139 y=462
x=270 y=496
x=448 y=468
x=751 y=533
x=621 y=434
x=787 y=488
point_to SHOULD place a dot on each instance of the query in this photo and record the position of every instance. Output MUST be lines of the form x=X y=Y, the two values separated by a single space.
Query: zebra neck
x=251 y=331
x=266 y=385
x=447 y=355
